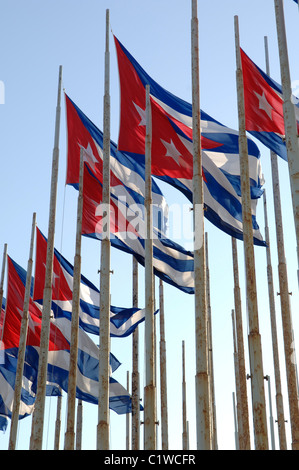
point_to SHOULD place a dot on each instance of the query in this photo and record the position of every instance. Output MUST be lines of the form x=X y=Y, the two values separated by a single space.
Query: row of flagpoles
x=205 y=413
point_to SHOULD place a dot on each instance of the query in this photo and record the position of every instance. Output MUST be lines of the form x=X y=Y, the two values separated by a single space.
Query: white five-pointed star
x=142 y=115
x=171 y=150
x=263 y=104
x=88 y=156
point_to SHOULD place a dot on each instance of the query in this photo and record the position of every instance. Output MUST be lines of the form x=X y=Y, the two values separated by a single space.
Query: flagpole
x=284 y=298
x=203 y=412
x=184 y=407
x=135 y=368
x=163 y=373
x=69 y=442
x=254 y=339
x=243 y=428
x=128 y=417
x=236 y=424
x=267 y=377
x=155 y=362
x=238 y=410
x=103 y=405
x=291 y=133
x=279 y=400
x=2 y=280
x=79 y=425
x=22 y=345
x=210 y=349
x=58 y=422
x=150 y=387
x=38 y=416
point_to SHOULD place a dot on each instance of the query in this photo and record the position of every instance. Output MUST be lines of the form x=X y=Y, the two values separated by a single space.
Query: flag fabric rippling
x=264 y=107
x=58 y=356
x=172 y=147
x=172 y=263
x=123 y=321
x=10 y=344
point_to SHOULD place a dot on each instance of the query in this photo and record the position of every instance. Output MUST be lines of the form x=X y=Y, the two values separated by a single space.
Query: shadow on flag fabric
x=58 y=356
x=264 y=107
x=172 y=263
x=172 y=147
x=123 y=321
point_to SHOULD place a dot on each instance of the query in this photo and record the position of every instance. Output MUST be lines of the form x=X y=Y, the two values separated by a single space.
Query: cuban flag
x=172 y=148
x=172 y=263
x=58 y=356
x=123 y=321
x=10 y=345
x=126 y=175
x=264 y=107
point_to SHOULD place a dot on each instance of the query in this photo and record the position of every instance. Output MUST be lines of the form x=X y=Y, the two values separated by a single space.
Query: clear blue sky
x=36 y=37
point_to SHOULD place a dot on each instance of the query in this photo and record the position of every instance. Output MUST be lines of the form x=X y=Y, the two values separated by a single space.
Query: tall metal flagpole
x=2 y=276
x=1 y=289
x=22 y=345
x=4 y=263
x=163 y=374
x=58 y=422
x=203 y=411
x=103 y=405
x=279 y=400
x=254 y=339
x=135 y=368
x=69 y=442
x=236 y=424
x=184 y=404
x=284 y=297
x=267 y=377
x=128 y=417
x=79 y=425
x=237 y=408
x=150 y=386
x=243 y=428
x=210 y=349
x=291 y=133
x=38 y=416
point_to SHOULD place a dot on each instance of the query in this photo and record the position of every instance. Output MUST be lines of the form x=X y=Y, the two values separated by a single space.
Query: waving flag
x=10 y=344
x=172 y=147
x=126 y=175
x=58 y=359
x=172 y=263
x=87 y=371
x=123 y=321
x=14 y=313
x=264 y=107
